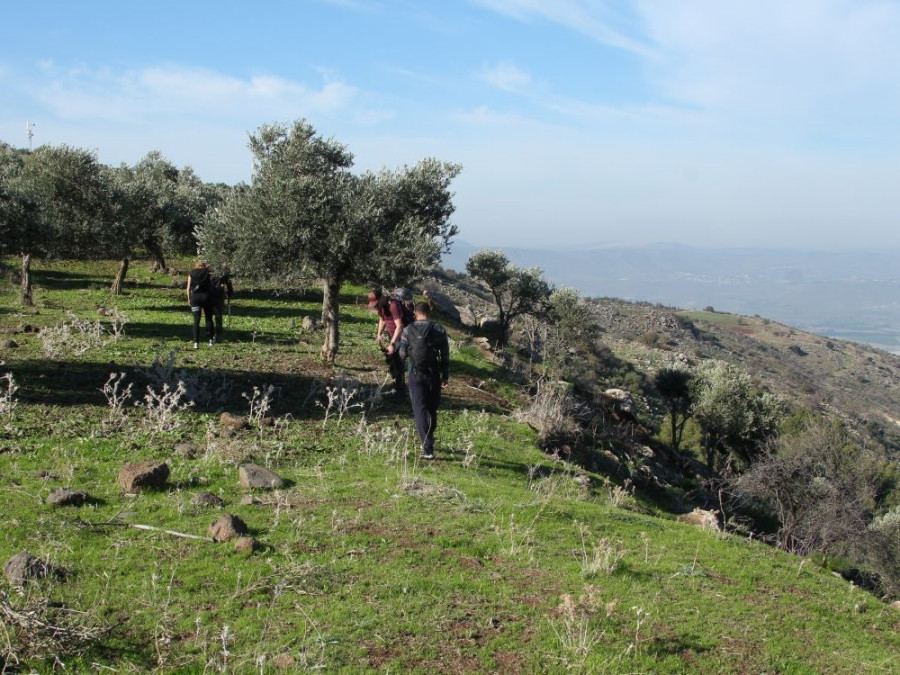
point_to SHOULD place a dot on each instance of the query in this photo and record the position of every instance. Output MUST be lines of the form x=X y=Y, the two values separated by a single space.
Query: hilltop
x=498 y=557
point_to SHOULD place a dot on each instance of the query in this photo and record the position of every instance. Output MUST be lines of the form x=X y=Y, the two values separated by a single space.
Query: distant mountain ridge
x=853 y=295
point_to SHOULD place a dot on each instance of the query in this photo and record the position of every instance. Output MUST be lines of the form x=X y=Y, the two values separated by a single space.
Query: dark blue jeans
x=425 y=396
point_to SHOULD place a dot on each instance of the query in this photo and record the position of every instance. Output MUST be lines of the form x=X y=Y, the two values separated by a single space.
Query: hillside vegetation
x=496 y=557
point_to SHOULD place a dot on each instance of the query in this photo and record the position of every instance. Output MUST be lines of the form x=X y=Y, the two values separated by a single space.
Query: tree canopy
x=306 y=215
x=516 y=290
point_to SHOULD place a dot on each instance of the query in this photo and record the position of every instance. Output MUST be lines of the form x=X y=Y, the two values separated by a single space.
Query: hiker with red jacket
x=424 y=343
x=390 y=321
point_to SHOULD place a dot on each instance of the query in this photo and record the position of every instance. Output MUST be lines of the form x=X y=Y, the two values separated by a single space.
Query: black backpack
x=422 y=351
x=200 y=282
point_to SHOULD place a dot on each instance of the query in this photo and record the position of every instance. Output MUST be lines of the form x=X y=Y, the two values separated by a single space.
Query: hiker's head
x=199 y=265
x=374 y=297
x=422 y=311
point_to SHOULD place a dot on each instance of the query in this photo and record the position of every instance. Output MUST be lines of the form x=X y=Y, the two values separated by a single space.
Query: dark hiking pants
x=425 y=396
x=397 y=369
x=201 y=302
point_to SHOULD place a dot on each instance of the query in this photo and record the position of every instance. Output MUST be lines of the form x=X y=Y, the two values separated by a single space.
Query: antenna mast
x=29 y=132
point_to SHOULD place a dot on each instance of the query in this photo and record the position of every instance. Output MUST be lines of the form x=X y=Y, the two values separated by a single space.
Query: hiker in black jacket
x=424 y=344
x=200 y=298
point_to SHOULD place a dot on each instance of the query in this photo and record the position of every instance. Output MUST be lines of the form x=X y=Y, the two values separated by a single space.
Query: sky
x=578 y=123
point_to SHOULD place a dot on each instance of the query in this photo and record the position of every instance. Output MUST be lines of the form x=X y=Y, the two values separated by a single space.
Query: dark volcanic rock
x=140 y=475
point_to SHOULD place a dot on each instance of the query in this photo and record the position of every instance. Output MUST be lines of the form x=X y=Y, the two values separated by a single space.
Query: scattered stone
x=140 y=475
x=24 y=566
x=284 y=661
x=250 y=500
x=245 y=545
x=9 y=344
x=708 y=520
x=207 y=499
x=46 y=475
x=896 y=605
x=187 y=450
x=227 y=527
x=230 y=421
x=310 y=325
x=104 y=311
x=267 y=421
x=28 y=328
x=482 y=343
x=255 y=476
x=67 y=497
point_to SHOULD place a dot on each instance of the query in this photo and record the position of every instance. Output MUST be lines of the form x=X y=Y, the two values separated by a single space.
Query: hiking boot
x=212 y=341
x=196 y=345
x=427 y=454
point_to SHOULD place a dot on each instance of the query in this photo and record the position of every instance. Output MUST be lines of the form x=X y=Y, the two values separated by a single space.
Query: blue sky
x=701 y=122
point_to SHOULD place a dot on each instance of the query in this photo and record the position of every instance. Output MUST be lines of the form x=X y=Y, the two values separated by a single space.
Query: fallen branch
x=137 y=526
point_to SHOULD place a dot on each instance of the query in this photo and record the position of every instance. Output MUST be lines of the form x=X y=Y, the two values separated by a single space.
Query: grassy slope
x=477 y=562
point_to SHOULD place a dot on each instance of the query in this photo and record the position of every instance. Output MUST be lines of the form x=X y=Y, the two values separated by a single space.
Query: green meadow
x=494 y=558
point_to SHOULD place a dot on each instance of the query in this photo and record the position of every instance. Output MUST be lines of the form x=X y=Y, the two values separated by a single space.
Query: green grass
x=370 y=560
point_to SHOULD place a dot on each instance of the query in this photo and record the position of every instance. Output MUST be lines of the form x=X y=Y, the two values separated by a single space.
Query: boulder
x=230 y=421
x=140 y=475
x=207 y=499
x=255 y=476
x=67 y=497
x=442 y=304
x=467 y=316
x=227 y=527
x=9 y=344
x=23 y=567
x=707 y=520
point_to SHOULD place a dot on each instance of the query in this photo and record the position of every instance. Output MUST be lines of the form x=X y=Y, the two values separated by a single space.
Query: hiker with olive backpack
x=425 y=347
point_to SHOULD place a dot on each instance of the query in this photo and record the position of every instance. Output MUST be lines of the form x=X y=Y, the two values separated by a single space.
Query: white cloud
x=506 y=76
x=173 y=91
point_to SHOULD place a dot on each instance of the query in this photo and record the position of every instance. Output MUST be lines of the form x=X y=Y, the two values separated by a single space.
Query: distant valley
x=851 y=295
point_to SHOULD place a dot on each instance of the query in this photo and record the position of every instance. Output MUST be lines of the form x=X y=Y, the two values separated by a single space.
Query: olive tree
x=64 y=208
x=306 y=215
x=156 y=207
x=735 y=418
x=517 y=290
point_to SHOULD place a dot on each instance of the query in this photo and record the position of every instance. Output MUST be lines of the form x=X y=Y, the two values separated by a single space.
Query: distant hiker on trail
x=390 y=320
x=199 y=293
x=222 y=290
x=426 y=346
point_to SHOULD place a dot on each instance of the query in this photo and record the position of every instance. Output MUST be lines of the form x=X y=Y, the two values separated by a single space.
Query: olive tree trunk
x=116 y=288
x=27 y=294
x=330 y=290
